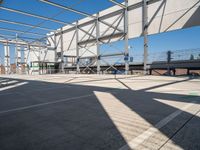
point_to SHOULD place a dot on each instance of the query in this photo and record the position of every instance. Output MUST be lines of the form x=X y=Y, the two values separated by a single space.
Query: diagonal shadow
x=182 y=16
x=84 y=123
x=193 y=19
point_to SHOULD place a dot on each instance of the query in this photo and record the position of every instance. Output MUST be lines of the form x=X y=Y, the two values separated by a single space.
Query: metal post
x=62 y=50
x=22 y=62
x=126 y=57
x=55 y=53
x=77 y=49
x=39 y=59
x=26 y=57
x=7 y=58
x=145 y=33
x=169 y=57
x=18 y=57
x=98 y=45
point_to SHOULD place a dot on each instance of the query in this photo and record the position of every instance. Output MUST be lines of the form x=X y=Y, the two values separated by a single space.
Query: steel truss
x=94 y=37
x=97 y=39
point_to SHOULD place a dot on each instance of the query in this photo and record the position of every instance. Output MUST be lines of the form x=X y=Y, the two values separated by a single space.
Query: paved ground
x=90 y=112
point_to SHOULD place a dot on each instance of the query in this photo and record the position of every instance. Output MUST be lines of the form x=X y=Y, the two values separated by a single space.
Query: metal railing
x=111 y=61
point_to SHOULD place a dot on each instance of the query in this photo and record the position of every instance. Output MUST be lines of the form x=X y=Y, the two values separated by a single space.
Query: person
x=198 y=57
x=191 y=57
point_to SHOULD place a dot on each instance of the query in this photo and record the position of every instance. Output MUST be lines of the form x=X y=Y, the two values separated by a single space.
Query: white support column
x=77 y=50
x=98 y=45
x=18 y=58
x=55 y=46
x=62 y=51
x=26 y=54
x=26 y=58
x=7 y=58
x=145 y=34
x=126 y=54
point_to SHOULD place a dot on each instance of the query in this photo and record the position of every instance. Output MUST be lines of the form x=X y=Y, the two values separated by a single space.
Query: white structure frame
x=124 y=21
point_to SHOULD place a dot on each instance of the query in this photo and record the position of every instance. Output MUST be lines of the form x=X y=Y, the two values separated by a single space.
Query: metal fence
x=135 y=58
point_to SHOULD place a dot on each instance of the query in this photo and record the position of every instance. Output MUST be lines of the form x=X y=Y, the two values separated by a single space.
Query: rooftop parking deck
x=89 y=112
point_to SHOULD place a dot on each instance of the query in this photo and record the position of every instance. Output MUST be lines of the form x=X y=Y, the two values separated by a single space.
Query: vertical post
x=77 y=49
x=145 y=34
x=55 y=47
x=62 y=50
x=169 y=57
x=16 y=58
x=39 y=60
x=16 y=55
x=126 y=54
x=55 y=51
x=26 y=55
x=23 y=59
x=7 y=58
x=98 y=45
x=188 y=71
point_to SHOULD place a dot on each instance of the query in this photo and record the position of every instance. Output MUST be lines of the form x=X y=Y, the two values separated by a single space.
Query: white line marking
x=43 y=104
x=13 y=86
x=3 y=80
x=146 y=134
x=8 y=82
x=38 y=89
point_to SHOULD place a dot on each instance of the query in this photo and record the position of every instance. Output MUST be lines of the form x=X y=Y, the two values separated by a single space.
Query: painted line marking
x=146 y=134
x=43 y=104
x=8 y=82
x=48 y=103
x=38 y=89
x=13 y=86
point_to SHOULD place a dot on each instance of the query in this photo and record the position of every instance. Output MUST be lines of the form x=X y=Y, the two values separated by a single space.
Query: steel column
x=126 y=38
x=62 y=51
x=26 y=58
x=77 y=50
x=27 y=48
x=145 y=34
x=18 y=58
x=98 y=45
x=7 y=58
x=55 y=46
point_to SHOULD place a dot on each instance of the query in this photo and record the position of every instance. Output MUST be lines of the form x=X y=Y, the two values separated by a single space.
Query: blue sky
x=180 y=39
